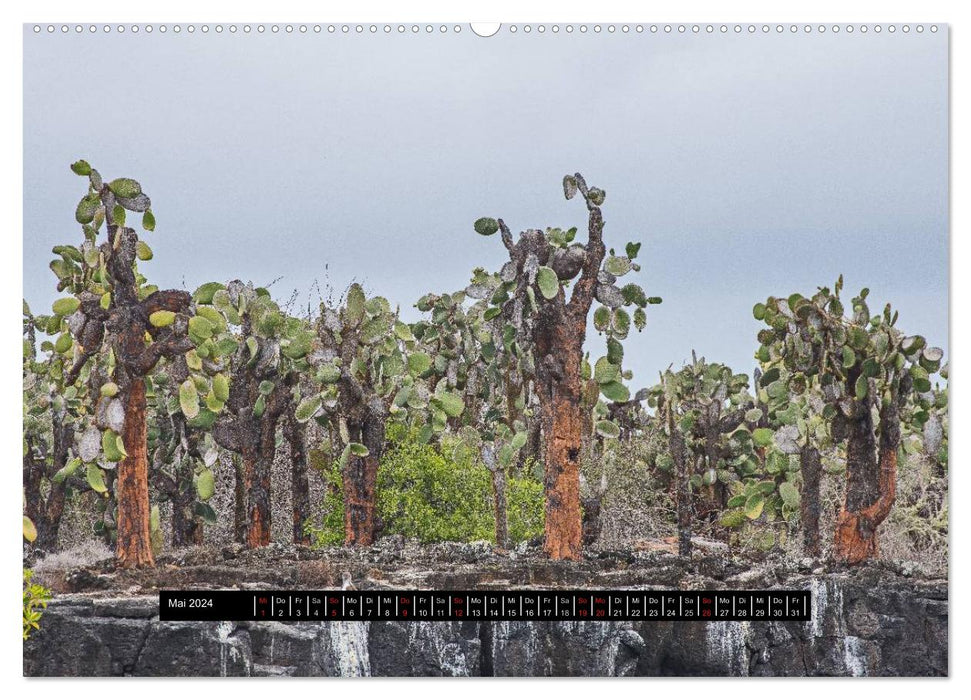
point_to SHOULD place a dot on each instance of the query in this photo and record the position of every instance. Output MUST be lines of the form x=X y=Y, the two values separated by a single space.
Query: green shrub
x=434 y=493
x=35 y=599
x=526 y=514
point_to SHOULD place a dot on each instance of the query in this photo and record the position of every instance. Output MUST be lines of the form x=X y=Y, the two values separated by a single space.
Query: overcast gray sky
x=748 y=165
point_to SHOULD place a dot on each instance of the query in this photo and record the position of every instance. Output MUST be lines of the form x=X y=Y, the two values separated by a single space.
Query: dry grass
x=636 y=506
x=84 y=554
x=917 y=528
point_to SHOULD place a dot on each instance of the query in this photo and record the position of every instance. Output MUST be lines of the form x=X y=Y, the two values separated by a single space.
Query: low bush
x=435 y=493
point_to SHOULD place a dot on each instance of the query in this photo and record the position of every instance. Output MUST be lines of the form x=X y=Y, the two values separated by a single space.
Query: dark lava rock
x=874 y=620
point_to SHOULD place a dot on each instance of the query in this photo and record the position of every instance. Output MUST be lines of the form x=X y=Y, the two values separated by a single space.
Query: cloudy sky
x=748 y=165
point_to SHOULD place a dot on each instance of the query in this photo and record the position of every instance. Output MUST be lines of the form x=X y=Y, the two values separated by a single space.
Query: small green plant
x=35 y=600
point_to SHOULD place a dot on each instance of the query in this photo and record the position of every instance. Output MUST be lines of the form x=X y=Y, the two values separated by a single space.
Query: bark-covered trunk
x=562 y=479
x=253 y=514
x=179 y=487
x=868 y=501
x=682 y=487
x=134 y=544
x=127 y=321
x=862 y=468
x=299 y=484
x=592 y=522
x=258 y=465
x=500 y=507
x=559 y=388
x=811 y=468
x=107 y=527
x=239 y=499
x=361 y=478
x=251 y=435
x=186 y=528
x=360 y=484
x=47 y=530
x=46 y=511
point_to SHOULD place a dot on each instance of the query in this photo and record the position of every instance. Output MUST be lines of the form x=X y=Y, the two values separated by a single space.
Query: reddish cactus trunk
x=868 y=499
x=564 y=534
x=46 y=512
x=257 y=468
x=361 y=479
x=186 y=528
x=134 y=544
x=563 y=419
x=558 y=334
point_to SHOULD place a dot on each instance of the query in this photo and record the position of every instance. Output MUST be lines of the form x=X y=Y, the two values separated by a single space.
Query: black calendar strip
x=446 y=606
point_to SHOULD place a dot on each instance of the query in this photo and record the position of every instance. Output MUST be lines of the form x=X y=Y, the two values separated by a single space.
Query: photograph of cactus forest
x=602 y=351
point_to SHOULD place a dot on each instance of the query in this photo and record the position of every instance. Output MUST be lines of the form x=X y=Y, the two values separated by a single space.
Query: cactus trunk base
x=256 y=471
x=299 y=484
x=134 y=544
x=361 y=476
x=186 y=529
x=560 y=390
x=564 y=528
x=856 y=531
x=682 y=488
x=360 y=482
x=811 y=470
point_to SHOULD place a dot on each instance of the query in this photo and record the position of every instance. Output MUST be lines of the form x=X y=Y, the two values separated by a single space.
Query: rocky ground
x=880 y=619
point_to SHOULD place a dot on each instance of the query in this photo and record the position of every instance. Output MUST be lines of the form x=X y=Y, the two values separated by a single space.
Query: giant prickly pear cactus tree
x=703 y=407
x=866 y=370
x=370 y=370
x=264 y=369
x=791 y=424
x=109 y=310
x=548 y=322
x=451 y=336
x=358 y=366
x=69 y=432
x=50 y=413
x=183 y=451
x=476 y=357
